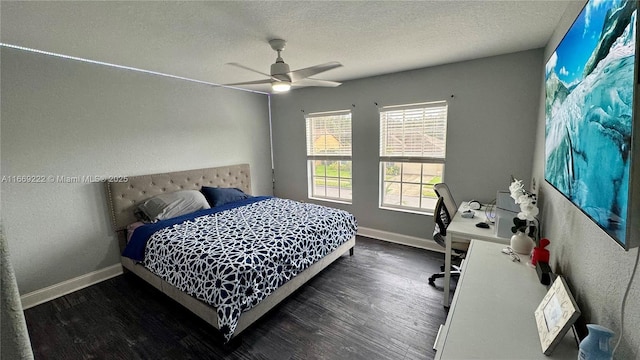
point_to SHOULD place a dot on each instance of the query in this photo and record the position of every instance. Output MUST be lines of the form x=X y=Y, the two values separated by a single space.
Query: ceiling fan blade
x=300 y=74
x=256 y=82
x=317 y=82
x=250 y=69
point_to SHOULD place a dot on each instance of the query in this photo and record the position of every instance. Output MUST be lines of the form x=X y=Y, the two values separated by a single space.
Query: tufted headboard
x=123 y=197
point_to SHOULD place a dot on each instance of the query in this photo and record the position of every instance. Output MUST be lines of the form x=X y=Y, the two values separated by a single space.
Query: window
x=412 y=155
x=329 y=155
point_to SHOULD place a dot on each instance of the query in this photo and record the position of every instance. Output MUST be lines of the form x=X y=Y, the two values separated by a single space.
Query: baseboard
x=57 y=290
x=421 y=243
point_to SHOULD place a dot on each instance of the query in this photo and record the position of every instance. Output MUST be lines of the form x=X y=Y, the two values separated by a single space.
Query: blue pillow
x=219 y=196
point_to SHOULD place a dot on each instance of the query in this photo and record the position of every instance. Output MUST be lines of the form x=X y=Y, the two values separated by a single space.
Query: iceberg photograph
x=589 y=85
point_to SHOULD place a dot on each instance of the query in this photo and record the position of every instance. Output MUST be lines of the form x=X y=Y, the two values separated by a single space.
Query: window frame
x=340 y=158
x=409 y=159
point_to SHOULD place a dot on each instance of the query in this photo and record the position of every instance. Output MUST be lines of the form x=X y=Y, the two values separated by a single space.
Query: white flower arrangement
x=527 y=201
x=526 y=218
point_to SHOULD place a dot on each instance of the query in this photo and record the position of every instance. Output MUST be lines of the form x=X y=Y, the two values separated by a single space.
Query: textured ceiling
x=196 y=39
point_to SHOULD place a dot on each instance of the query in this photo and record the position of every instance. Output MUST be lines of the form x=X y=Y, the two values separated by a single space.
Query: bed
x=125 y=195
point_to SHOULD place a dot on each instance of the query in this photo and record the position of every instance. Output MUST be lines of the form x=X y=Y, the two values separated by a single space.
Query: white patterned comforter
x=235 y=258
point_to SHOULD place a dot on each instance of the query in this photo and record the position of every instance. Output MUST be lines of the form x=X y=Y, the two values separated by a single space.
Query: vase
x=521 y=243
x=596 y=345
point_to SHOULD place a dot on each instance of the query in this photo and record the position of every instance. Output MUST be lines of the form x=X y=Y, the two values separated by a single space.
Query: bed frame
x=124 y=196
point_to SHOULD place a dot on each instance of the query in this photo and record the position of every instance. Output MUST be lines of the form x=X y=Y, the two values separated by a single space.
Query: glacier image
x=589 y=87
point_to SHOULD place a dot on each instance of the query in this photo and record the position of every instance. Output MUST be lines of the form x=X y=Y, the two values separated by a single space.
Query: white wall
x=491 y=131
x=597 y=268
x=64 y=117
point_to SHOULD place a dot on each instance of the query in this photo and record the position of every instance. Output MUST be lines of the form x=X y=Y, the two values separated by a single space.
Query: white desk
x=492 y=313
x=463 y=229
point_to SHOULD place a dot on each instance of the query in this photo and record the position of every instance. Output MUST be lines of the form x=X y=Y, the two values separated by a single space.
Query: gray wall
x=597 y=268
x=491 y=128
x=64 y=117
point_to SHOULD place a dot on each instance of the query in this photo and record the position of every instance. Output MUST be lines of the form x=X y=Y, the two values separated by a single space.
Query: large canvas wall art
x=589 y=108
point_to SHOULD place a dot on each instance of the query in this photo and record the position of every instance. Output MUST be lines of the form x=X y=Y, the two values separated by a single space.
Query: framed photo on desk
x=555 y=315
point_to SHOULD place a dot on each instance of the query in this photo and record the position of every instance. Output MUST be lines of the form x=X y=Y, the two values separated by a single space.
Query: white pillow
x=169 y=205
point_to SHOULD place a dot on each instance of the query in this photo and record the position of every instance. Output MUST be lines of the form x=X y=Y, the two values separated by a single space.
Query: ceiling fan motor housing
x=280 y=71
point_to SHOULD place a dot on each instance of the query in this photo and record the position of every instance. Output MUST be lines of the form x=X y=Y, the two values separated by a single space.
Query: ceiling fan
x=282 y=79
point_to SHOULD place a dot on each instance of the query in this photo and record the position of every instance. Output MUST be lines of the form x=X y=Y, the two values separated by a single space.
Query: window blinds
x=329 y=134
x=416 y=131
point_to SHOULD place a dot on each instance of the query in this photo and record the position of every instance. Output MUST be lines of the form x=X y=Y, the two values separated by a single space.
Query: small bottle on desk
x=596 y=345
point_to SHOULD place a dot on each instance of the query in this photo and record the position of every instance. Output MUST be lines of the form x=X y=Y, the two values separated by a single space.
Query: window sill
x=405 y=210
x=337 y=201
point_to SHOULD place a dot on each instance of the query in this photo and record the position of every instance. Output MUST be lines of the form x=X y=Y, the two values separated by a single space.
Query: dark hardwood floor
x=376 y=304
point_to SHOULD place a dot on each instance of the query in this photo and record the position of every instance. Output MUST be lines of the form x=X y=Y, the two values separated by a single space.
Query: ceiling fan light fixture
x=281 y=86
x=281 y=77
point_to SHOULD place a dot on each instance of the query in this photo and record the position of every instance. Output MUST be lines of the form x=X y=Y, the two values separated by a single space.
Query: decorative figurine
x=540 y=253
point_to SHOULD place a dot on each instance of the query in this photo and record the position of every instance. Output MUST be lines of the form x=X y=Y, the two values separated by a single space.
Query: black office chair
x=442 y=190
x=442 y=219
